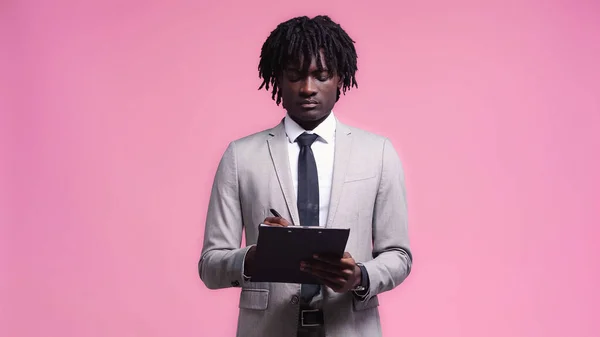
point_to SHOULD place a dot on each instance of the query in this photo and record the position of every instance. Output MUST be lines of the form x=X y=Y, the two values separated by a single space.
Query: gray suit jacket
x=367 y=196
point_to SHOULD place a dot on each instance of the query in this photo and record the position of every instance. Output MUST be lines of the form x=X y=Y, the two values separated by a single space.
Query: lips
x=309 y=104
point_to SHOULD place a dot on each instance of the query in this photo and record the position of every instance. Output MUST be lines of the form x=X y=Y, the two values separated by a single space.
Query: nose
x=308 y=87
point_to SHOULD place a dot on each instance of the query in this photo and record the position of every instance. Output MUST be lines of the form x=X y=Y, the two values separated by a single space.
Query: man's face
x=309 y=95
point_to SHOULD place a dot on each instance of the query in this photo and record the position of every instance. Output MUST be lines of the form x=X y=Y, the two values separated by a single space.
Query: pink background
x=118 y=112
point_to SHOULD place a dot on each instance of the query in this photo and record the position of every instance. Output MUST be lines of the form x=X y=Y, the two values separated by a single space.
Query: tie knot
x=306 y=139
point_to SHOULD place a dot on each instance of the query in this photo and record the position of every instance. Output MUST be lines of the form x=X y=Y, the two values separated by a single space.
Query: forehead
x=305 y=62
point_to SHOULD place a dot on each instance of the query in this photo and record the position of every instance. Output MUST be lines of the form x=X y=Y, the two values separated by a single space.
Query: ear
x=340 y=83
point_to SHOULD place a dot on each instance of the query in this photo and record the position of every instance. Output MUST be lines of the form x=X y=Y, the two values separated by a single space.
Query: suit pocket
x=358 y=177
x=364 y=305
x=255 y=299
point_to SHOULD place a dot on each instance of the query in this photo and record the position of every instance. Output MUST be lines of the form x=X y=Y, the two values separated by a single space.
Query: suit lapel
x=343 y=147
x=278 y=143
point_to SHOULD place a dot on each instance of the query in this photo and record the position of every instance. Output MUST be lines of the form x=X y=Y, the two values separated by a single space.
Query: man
x=316 y=171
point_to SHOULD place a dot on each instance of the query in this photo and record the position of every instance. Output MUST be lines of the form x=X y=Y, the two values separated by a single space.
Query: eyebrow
x=292 y=68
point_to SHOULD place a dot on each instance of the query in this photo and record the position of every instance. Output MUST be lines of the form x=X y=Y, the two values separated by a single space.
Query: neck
x=310 y=125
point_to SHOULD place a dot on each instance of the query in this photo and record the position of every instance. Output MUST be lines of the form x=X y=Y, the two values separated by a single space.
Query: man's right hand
x=276 y=221
x=249 y=261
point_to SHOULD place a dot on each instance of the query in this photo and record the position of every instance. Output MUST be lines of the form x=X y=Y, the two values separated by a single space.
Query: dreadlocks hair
x=304 y=37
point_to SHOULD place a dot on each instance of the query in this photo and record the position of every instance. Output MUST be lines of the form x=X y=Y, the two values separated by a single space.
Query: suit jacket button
x=235 y=283
x=295 y=299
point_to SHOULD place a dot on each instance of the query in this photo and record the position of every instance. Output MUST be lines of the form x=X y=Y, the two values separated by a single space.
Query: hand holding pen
x=276 y=220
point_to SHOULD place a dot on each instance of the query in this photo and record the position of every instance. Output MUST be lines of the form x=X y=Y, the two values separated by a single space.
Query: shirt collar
x=325 y=130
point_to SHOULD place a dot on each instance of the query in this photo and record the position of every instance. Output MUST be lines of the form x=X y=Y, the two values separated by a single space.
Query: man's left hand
x=341 y=275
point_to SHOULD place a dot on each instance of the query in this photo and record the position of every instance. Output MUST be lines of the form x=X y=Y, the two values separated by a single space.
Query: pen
x=275 y=213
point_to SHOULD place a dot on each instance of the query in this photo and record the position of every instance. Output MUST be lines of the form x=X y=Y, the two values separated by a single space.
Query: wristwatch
x=363 y=278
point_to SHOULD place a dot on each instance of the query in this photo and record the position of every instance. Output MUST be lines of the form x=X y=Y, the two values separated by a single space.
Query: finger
x=322 y=272
x=333 y=280
x=345 y=262
x=334 y=283
x=277 y=220
x=339 y=279
x=273 y=224
x=328 y=259
x=326 y=268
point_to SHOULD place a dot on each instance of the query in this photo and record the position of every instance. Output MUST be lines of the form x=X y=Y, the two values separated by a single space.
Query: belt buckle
x=302 y=317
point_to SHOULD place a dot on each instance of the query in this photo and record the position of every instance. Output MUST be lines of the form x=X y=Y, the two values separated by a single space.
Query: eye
x=293 y=75
x=323 y=76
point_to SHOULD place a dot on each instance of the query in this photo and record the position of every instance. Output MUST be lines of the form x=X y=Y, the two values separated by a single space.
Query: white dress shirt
x=323 y=149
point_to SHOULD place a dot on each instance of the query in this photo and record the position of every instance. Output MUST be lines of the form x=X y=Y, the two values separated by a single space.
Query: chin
x=309 y=115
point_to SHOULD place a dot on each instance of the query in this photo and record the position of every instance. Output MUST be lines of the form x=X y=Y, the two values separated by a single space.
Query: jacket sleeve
x=392 y=258
x=222 y=260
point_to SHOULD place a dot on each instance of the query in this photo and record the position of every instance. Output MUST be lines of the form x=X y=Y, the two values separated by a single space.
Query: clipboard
x=279 y=251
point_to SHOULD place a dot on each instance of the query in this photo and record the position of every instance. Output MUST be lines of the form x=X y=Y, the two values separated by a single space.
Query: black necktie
x=308 y=196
